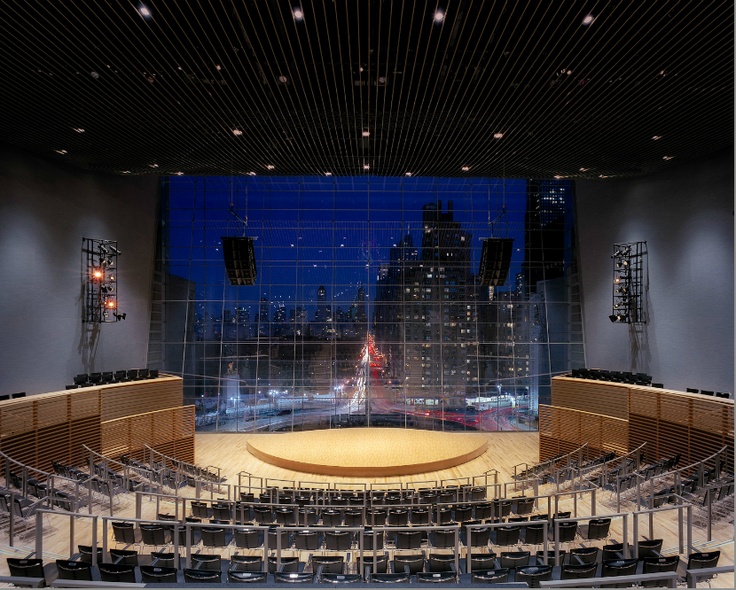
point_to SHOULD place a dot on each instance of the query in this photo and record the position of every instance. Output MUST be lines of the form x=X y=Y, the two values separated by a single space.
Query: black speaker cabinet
x=240 y=260
x=495 y=261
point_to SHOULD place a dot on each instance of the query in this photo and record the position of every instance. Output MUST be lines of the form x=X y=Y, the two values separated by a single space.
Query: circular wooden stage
x=367 y=452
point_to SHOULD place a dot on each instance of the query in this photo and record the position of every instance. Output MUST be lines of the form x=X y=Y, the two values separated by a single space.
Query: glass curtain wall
x=367 y=307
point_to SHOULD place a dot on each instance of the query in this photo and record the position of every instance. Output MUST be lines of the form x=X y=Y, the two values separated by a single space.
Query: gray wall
x=45 y=210
x=686 y=217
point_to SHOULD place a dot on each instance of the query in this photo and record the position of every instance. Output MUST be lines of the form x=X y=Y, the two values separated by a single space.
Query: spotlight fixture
x=628 y=305
x=119 y=316
x=100 y=286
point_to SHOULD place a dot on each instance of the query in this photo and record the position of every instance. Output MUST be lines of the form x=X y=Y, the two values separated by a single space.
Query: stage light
x=97 y=273
x=612 y=318
x=115 y=251
x=119 y=316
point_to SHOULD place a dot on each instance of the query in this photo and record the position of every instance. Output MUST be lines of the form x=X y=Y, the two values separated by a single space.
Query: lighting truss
x=100 y=281
x=628 y=306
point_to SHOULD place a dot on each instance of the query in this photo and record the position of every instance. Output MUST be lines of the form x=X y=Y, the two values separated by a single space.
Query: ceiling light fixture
x=656 y=137
x=667 y=157
x=498 y=135
x=439 y=16
x=407 y=174
x=298 y=14
x=465 y=168
x=251 y=173
x=78 y=129
x=144 y=11
x=62 y=152
x=179 y=173
x=366 y=167
x=588 y=20
x=270 y=166
x=366 y=133
x=328 y=173
x=237 y=132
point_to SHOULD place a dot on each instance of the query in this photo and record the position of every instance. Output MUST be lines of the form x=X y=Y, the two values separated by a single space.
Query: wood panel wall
x=670 y=422
x=39 y=429
x=169 y=431
x=562 y=430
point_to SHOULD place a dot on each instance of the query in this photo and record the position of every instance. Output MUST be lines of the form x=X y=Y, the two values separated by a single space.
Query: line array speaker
x=240 y=260
x=495 y=260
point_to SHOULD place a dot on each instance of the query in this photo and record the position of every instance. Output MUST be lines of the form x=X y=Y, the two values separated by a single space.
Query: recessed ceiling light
x=78 y=129
x=366 y=133
x=144 y=11
x=126 y=171
x=558 y=176
x=283 y=79
x=251 y=173
x=465 y=168
x=328 y=173
x=237 y=132
x=583 y=169
x=588 y=20
x=298 y=13
x=498 y=135
x=407 y=174
x=667 y=157
x=62 y=152
x=439 y=16
x=656 y=137
x=270 y=166
x=179 y=173
x=366 y=167
x=153 y=165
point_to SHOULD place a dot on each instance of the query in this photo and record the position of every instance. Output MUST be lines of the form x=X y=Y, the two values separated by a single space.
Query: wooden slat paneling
x=138 y=397
x=596 y=397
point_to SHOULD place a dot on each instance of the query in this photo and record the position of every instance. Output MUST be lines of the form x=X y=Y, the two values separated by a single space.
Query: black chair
x=443 y=516
x=200 y=509
x=479 y=537
x=619 y=567
x=331 y=517
x=213 y=537
x=443 y=538
x=408 y=539
x=163 y=559
x=338 y=540
x=353 y=517
x=237 y=577
x=419 y=516
x=501 y=508
x=365 y=566
x=123 y=533
x=649 y=548
x=408 y=563
x=440 y=562
x=568 y=531
x=483 y=511
x=534 y=534
x=612 y=552
x=286 y=515
x=571 y=571
x=390 y=578
x=463 y=513
x=125 y=556
x=85 y=553
x=248 y=538
x=398 y=517
x=514 y=559
x=27 y=568
x=151 y=574
x=205 y=561
x=289 y=564
x=328 y=564
x=193 y=576
x=436 y=577
x=550 y=557
x=598 y=528
x=73 y=570
x=246 y=563
x=376 y=516
x=703 y=560
x=655 y=565
x=117 y=572
x=306 y=540
x=480 y=562
x=372 y=540
x=495 y=576
x=533 y=574
x=153 y=534
x=522 y=506
x=508 y=535
x=293 y=578
x=341 y=578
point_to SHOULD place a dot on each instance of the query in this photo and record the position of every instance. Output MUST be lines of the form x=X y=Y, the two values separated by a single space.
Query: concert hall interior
x=367 y=292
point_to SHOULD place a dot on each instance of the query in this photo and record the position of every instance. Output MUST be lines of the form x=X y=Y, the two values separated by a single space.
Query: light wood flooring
x=505 y=450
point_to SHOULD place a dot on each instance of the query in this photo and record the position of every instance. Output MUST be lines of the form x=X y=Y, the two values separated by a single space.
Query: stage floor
x=367 y=452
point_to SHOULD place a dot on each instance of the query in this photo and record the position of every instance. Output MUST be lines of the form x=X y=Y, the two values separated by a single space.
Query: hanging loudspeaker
x=495 y=261
x=240 y=260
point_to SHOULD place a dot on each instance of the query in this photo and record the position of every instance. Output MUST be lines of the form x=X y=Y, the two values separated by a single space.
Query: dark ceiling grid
x=458 y=85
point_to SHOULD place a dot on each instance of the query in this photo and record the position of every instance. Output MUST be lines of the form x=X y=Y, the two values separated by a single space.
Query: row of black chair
x=12 y=395
x=721 y=394
x=106 y=377
x=613 y=376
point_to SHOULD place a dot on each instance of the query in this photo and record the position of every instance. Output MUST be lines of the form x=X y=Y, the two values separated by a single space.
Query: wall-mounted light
x=628 y=305
x=100 y=285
